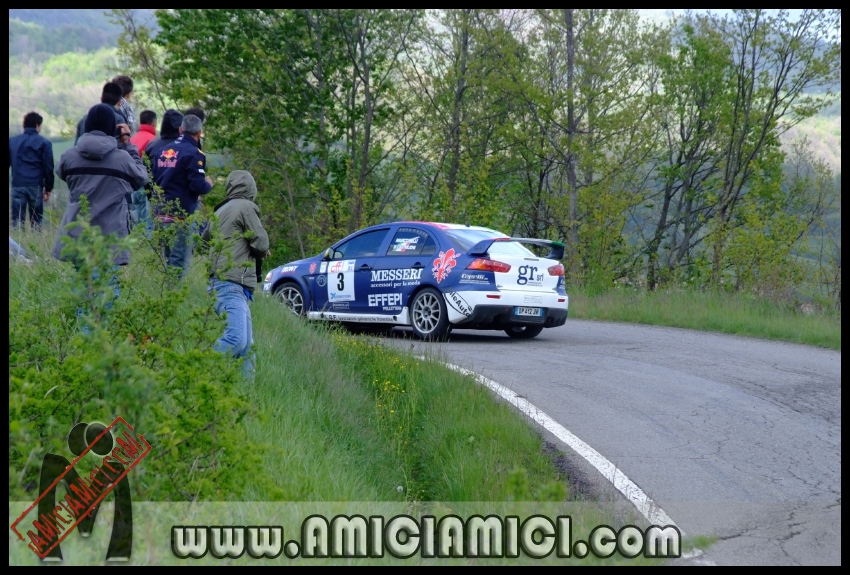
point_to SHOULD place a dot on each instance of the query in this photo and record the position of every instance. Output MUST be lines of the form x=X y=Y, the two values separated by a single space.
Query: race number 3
x=341 y=286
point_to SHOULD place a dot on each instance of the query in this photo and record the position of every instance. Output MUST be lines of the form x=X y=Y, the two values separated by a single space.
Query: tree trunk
x=571 y=168
x=655 y=244
x=454 y=134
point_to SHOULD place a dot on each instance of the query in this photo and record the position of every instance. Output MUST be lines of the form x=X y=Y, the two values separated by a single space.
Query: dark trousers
x=27 y=199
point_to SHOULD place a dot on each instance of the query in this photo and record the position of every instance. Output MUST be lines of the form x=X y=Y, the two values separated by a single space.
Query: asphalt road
x=733 y=437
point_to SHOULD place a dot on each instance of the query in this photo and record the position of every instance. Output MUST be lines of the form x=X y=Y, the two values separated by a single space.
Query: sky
x=664 y=13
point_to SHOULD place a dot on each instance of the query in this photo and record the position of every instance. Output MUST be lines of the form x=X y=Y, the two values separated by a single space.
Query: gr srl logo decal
x=528 y=276
x=443 y=265
x=322 y=280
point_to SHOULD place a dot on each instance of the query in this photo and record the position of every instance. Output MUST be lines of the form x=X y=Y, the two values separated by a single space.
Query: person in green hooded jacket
x=237 y=244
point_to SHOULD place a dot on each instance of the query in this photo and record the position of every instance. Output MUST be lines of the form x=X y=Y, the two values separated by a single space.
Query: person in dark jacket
x=169 y=131
x=234 y=264
x=31 y=161
x=112 y=94
x=199 y=112
x=126 y=83
x=106 y=171
x=180 y=170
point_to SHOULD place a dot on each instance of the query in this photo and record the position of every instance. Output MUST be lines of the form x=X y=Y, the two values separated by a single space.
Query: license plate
x=532 y=311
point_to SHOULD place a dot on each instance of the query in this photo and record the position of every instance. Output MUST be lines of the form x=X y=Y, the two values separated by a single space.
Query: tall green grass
x=726 y=313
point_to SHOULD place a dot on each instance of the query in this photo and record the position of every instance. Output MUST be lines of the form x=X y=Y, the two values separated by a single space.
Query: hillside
x=59 y=60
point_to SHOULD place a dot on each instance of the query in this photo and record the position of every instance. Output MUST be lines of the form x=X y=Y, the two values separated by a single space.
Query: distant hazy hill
x=58 y=63
x=94 y=17
x=33 y=34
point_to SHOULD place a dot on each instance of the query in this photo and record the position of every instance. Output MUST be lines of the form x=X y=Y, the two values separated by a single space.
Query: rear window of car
x=412 y=242
x=466 y=239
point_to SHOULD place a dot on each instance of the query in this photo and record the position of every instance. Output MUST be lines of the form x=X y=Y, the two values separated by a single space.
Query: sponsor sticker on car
x=341 y=281
x=443 y=264
x=456 y=302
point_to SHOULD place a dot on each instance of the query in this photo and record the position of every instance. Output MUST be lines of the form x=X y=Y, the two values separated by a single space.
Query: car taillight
x=557 y=270
x=487 y=265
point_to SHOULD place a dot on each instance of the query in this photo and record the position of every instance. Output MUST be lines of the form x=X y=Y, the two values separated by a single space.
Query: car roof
x=446 y=226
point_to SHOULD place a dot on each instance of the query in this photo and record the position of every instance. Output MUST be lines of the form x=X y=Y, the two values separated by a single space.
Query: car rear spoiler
x=556 y=249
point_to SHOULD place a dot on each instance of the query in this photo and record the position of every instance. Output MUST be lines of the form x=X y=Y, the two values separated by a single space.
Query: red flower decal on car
x=443 y=265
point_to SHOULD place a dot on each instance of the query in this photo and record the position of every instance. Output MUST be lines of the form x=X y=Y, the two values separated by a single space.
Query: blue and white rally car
x=433 y=277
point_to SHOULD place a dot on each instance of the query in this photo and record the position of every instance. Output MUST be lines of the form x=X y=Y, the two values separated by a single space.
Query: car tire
x=292 y=297
x=429 y=317
x=524 y=331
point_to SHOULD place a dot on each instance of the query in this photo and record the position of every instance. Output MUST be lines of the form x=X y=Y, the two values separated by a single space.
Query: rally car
x=432 y=277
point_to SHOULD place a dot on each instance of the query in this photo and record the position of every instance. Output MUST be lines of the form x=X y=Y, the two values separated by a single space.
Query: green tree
x=777 y=60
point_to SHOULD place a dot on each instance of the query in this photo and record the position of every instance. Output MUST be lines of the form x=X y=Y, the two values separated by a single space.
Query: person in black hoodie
x=169 y=131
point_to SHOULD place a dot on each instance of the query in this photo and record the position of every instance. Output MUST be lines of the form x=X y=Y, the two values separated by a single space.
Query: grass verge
x=726 y=313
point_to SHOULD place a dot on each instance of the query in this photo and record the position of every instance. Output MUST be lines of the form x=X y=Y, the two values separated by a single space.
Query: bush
x=78 y=353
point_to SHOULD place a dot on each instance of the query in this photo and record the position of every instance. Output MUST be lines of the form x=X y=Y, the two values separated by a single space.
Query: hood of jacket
x=241 y=185
x=95 y=145
x=170 y=126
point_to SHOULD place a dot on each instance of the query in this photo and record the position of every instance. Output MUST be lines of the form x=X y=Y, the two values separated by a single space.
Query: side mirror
x=327 y=254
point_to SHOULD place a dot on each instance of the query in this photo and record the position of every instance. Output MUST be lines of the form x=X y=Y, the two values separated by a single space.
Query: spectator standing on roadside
x=105 y=170
x=199 y=112
x=110 y=95
x=169 y=131
x=124 y=106
x=180 y=170
x=234 y=266
x=147 y=131
x=31 y=161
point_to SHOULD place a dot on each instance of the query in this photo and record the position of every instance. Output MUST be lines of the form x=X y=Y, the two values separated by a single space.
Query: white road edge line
x=646 y=506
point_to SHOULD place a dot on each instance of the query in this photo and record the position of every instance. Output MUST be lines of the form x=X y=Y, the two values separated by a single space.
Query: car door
x=400 y=269
x=349 y=271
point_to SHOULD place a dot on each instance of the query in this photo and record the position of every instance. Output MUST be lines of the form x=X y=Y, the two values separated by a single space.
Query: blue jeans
x=27 y=199
x=178 y=252
x=232 y=301
x=140 y=210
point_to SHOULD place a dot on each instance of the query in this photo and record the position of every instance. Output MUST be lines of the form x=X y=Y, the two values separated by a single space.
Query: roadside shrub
x=78 y=353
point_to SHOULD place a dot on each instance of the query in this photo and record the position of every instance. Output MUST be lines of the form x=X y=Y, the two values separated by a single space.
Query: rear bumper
x=502 y=316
